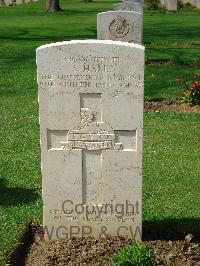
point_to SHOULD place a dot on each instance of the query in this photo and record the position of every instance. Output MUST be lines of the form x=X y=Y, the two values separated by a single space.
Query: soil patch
x=163 y=107
x=93 y=252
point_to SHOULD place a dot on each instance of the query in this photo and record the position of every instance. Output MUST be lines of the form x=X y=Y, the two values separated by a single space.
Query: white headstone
x=134 y=1
x=141 y=2
x=123 y=26
x=170 y=5
x=195 y=3
x=91 y=122
x=129 y=6
x=19 y=2
x=8 y=2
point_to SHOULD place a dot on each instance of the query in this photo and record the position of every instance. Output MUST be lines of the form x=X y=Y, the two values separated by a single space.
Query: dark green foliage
x=135 y=255
x=152 y=4
x=182 y=6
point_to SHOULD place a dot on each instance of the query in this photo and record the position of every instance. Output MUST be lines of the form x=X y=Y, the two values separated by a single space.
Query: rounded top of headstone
x=106 y=42
x=118 y=11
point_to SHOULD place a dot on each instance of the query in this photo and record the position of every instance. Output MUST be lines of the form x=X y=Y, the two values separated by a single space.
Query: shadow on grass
x=170 y=29
x=16 y=59
x=178 y=55
x=22 y=35
x=177 y=32
x=12 y=196
x=171 y=229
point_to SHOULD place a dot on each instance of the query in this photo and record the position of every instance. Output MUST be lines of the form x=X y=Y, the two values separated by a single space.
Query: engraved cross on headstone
x=94 y=137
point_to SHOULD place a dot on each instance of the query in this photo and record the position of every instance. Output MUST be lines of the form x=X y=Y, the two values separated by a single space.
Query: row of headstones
x=129 y=5
x=122 y=25
x=15 y=2
x=91 y=96
x=170 y=5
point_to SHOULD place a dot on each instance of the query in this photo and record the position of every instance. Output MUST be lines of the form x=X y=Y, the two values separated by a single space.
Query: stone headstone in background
x=133 y=1
x=123 y=26
x=141 y=2
x=195 y=3
x=192 y=2
x=8 y=2
x=170 y=5
x=19 y=2
x=91 y=122
x=129 y=6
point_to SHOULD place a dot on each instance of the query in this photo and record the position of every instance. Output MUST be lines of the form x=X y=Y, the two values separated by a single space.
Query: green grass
x=171 y=166
x=167 y=82
x=171 y=185
x=171 y=27
x=135 y=254
x=184 y=54
x=20 y=180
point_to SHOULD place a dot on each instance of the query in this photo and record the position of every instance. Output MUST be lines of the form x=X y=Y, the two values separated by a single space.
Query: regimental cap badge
x=119 y=27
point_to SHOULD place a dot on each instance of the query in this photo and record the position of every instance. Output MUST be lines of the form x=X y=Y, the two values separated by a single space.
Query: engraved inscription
x=119 y=27
x=46 y=81
x=91 y=134
x=88 y=72
x=95 y=59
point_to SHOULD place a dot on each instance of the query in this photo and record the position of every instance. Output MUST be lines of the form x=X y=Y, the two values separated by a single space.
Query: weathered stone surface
x=171 y=5
x=91 y=122
x=123 y=26
x=134 y=1
x=19 y=2
x=129 y=6
x=8 y=2
x=195 y=3
x=141 y=2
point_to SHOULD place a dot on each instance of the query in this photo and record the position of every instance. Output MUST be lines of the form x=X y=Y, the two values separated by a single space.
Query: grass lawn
x=171 y=27
x=171 y=157
x=166 y=82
